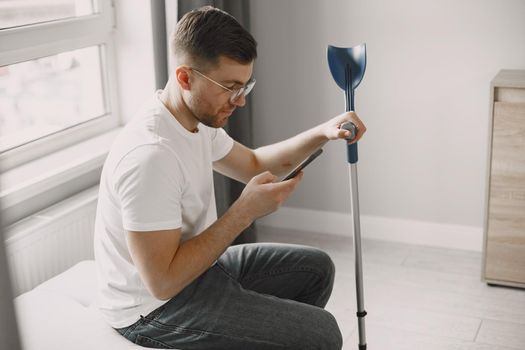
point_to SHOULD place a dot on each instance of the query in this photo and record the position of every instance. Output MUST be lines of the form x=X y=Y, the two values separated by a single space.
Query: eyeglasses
x=235 y=93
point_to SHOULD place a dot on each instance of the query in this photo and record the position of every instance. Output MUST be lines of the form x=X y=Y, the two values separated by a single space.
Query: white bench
x=58 y=314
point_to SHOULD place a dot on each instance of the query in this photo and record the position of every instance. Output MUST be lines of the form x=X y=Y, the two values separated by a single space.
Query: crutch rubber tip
x=362 y=347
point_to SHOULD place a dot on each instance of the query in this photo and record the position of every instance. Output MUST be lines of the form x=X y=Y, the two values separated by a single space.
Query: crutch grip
x=351 y=149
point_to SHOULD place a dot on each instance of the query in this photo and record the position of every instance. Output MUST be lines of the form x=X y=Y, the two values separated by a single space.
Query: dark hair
x=205 y=34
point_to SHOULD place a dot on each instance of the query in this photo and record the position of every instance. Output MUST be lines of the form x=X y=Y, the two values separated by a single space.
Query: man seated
x=167 y=276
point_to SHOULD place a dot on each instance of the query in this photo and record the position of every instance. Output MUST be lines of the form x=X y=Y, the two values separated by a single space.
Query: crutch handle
x=350 y=127
x=351 y=149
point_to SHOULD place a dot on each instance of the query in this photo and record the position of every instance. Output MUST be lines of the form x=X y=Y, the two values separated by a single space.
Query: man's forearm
x=194 y=256
x=279 y=158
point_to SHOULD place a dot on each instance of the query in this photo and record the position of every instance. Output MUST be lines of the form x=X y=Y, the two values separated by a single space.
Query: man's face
x=210 y=103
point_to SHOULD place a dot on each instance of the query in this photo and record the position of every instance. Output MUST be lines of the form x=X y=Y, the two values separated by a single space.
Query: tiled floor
x=417 y=298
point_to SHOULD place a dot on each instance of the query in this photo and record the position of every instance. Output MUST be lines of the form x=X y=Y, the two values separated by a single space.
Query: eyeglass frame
x=235 y=93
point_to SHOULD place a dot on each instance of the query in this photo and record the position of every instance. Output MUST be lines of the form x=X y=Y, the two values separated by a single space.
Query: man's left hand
x=332 y=128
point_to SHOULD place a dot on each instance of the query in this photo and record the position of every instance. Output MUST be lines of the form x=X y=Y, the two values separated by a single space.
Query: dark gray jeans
x=257 y=296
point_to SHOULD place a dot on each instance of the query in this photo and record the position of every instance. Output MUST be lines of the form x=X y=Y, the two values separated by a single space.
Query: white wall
x=424 y=98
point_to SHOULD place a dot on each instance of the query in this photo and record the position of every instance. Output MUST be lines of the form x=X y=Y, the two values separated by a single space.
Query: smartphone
x=303 y=164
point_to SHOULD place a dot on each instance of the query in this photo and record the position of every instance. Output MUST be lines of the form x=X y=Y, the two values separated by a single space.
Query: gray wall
x=424 y=98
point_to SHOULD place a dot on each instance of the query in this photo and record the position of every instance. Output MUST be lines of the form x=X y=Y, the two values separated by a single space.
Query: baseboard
x=380 y=228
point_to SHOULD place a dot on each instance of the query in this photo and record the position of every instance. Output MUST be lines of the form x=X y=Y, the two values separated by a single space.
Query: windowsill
x=55 y=173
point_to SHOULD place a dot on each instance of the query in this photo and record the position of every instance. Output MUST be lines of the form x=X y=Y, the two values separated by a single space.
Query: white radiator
x=50 y=241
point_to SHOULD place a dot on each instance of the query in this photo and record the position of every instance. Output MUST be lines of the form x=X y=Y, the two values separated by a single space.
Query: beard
x=200 y=110
x=211 y=120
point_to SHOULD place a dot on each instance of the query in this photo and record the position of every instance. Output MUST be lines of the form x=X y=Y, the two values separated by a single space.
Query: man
x=167 y=276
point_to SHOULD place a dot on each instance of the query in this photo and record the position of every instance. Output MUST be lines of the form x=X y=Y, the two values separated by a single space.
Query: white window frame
x=49 y=38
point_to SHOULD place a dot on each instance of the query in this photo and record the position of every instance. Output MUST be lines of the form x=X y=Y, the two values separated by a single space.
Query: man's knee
x=324 y=262
x=327 y=264
x=320 y=259
x=323 y=334
x=329 y=334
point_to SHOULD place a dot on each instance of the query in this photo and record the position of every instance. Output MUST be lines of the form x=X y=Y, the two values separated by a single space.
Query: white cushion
x=77 y=283
x=58 y=314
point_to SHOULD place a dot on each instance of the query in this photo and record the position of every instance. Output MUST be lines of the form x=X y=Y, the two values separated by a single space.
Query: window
x=56 y=82
x=15 y=13
x=46 y=95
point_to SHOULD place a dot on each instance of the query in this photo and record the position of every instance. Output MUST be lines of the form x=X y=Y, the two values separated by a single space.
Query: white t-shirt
x=157 y=176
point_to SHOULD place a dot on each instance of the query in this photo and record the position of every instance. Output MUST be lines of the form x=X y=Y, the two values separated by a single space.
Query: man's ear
x=183 y=77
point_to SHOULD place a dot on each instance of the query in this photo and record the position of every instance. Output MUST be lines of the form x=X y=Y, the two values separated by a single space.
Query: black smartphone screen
x=303 y=164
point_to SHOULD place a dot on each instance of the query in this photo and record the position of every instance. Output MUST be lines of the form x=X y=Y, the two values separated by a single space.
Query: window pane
x=49 y=94
x=14 y=13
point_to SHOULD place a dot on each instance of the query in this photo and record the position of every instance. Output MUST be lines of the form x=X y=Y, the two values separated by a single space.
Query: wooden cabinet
x=504 y=231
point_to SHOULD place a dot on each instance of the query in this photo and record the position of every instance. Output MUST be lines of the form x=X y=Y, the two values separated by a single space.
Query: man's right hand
x=167 y=264
x=262 y=195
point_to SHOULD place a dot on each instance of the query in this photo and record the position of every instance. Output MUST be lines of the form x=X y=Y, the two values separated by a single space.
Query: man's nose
x=240 y=101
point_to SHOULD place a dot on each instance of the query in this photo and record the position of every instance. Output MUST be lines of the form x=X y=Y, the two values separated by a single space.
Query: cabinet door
x=506 y=224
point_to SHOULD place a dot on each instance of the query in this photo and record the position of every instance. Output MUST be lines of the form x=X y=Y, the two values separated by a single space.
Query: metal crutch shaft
x=361 y=313
x=354 y=195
